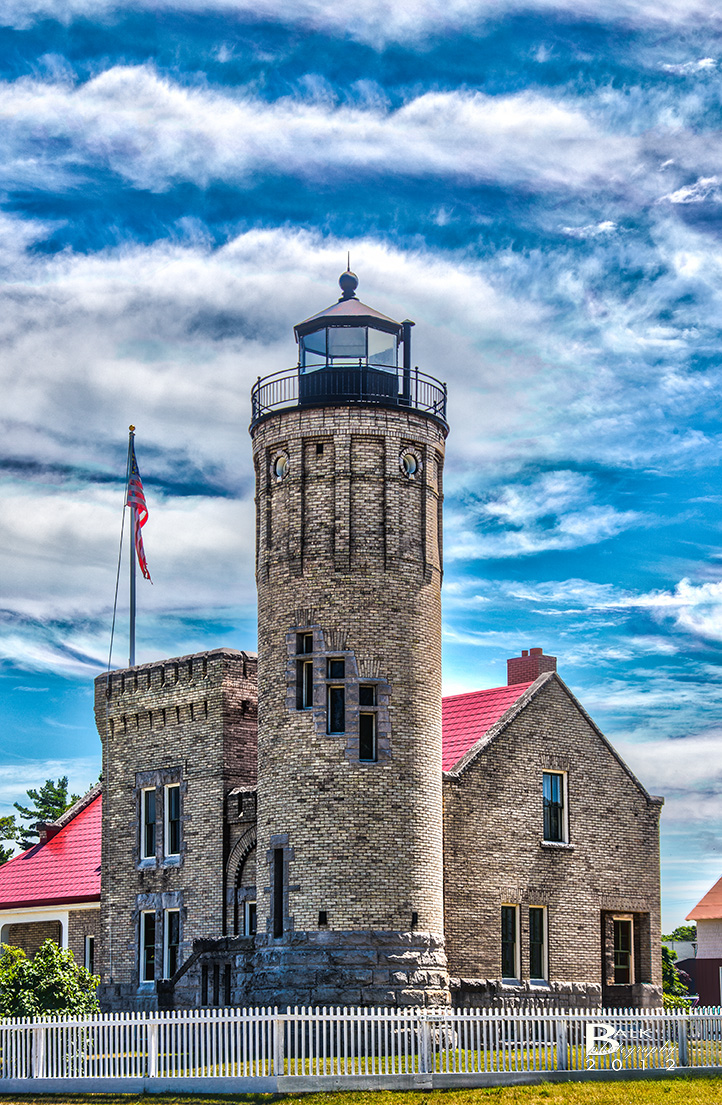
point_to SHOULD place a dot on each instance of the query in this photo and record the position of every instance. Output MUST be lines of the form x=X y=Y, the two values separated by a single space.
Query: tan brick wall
x=31 y=935
x=82 y=923
x=190 y=720
x=493 y=825
x=350 y=546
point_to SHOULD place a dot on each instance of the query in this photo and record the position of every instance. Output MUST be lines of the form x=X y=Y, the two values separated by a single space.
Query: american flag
x=136 y=501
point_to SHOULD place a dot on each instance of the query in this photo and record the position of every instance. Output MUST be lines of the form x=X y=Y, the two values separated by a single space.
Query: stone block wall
x=494 y=852
x=192 y=721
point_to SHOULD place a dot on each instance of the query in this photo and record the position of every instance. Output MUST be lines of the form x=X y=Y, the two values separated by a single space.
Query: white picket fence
x=262 y=1049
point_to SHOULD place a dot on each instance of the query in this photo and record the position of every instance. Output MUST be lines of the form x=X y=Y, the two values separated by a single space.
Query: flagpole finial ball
x=132 y=429
x=348 y=283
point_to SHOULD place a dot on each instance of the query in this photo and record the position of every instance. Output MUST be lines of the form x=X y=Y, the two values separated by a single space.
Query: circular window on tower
x=280 y=466
x=410 y=463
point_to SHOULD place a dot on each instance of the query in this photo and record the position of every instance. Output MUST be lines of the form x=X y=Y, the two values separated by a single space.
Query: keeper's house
x=52 y=891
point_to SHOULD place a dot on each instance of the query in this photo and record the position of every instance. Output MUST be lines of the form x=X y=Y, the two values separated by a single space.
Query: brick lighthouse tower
x=349 y=451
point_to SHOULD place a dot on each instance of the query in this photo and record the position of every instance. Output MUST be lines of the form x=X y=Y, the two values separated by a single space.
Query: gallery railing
x=353 y=383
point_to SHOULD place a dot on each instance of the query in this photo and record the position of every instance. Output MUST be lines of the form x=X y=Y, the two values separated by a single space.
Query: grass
x=678 y=1091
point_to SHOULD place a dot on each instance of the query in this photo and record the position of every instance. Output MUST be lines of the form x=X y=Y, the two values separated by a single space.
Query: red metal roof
x=65 y=870
x=710 y=907
x=465 y=718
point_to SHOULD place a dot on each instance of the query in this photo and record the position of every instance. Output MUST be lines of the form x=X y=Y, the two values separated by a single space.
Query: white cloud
x=704 y=190
x=154 y=132
x=593 y=230
x=688 y=67
x=556 y=511
x=694 y=608
x=375 y=22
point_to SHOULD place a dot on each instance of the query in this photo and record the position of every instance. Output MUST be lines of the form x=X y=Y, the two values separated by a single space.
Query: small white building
x=708 y=963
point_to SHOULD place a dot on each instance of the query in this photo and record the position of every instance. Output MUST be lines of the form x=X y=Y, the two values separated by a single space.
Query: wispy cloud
x=704 y=190
x=373 y=21
x=154 y=132
x=556 y=511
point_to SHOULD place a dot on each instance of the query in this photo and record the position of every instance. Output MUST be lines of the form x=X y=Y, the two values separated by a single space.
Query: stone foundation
x=489 y=993
x=351 y=968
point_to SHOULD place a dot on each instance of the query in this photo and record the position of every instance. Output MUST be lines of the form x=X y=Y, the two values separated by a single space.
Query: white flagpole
x=131 y=657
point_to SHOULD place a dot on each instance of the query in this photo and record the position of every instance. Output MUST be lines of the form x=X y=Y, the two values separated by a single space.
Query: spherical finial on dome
x=348 y=282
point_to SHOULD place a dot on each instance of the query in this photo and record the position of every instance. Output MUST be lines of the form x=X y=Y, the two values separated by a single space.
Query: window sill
x=557 y=845
x=146 y=862
x=172 y=861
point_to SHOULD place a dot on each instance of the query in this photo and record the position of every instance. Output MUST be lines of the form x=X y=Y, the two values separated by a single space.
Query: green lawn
x=679 y=1091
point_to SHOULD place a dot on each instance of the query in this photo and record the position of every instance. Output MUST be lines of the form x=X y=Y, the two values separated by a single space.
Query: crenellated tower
x=349 y=452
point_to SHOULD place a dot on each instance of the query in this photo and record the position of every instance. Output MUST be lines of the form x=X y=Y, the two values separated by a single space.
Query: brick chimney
x=529 y=666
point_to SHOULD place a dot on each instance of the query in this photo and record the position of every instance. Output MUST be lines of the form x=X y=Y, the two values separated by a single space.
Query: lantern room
x=350 y=354
x=349 y=350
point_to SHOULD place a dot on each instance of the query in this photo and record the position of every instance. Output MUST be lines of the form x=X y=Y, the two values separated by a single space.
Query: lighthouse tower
x=349 y=450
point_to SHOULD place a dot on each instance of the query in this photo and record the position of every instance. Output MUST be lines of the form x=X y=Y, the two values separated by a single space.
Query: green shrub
x=675 y=1001
x=52 y=982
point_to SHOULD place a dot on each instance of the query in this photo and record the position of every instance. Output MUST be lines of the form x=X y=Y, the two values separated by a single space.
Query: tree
x=52 y=982
x=674 y=981
x=51 y=801
x=683 y=932
x=8 y=831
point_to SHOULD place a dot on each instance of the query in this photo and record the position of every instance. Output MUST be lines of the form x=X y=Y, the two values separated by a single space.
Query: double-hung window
x=147 y=946
x=147 y=823
x=304 y=671
x=172 y=820
x=510 y=941
x=171 y=942
x=555 y=812
x=336 y=707
x=623 y=951
x=537 y=943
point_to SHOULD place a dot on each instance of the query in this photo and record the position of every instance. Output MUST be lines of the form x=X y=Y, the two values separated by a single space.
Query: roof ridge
x=488 y=690
x=77 y=807
x=514 y=708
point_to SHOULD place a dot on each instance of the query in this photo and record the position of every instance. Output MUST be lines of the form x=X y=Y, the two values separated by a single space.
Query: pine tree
x=51 y=801
x=8 y=831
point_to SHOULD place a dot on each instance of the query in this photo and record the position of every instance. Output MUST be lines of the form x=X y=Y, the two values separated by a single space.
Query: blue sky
x=538 y=186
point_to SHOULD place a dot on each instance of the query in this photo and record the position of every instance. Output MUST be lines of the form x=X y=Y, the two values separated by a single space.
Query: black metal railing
x=348 y=384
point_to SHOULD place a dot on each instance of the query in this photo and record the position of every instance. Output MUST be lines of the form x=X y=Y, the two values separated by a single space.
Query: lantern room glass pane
x=382 y=349
x=313 y=351
x=347 y=343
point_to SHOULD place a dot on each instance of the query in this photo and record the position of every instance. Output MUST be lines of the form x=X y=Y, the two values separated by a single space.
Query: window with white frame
x=89 y=954
x=172 y=833
x=171 y=941
x=555 y=807
x=538 y=944
x=147 y=823
x=510 y=941
x=147 y=946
